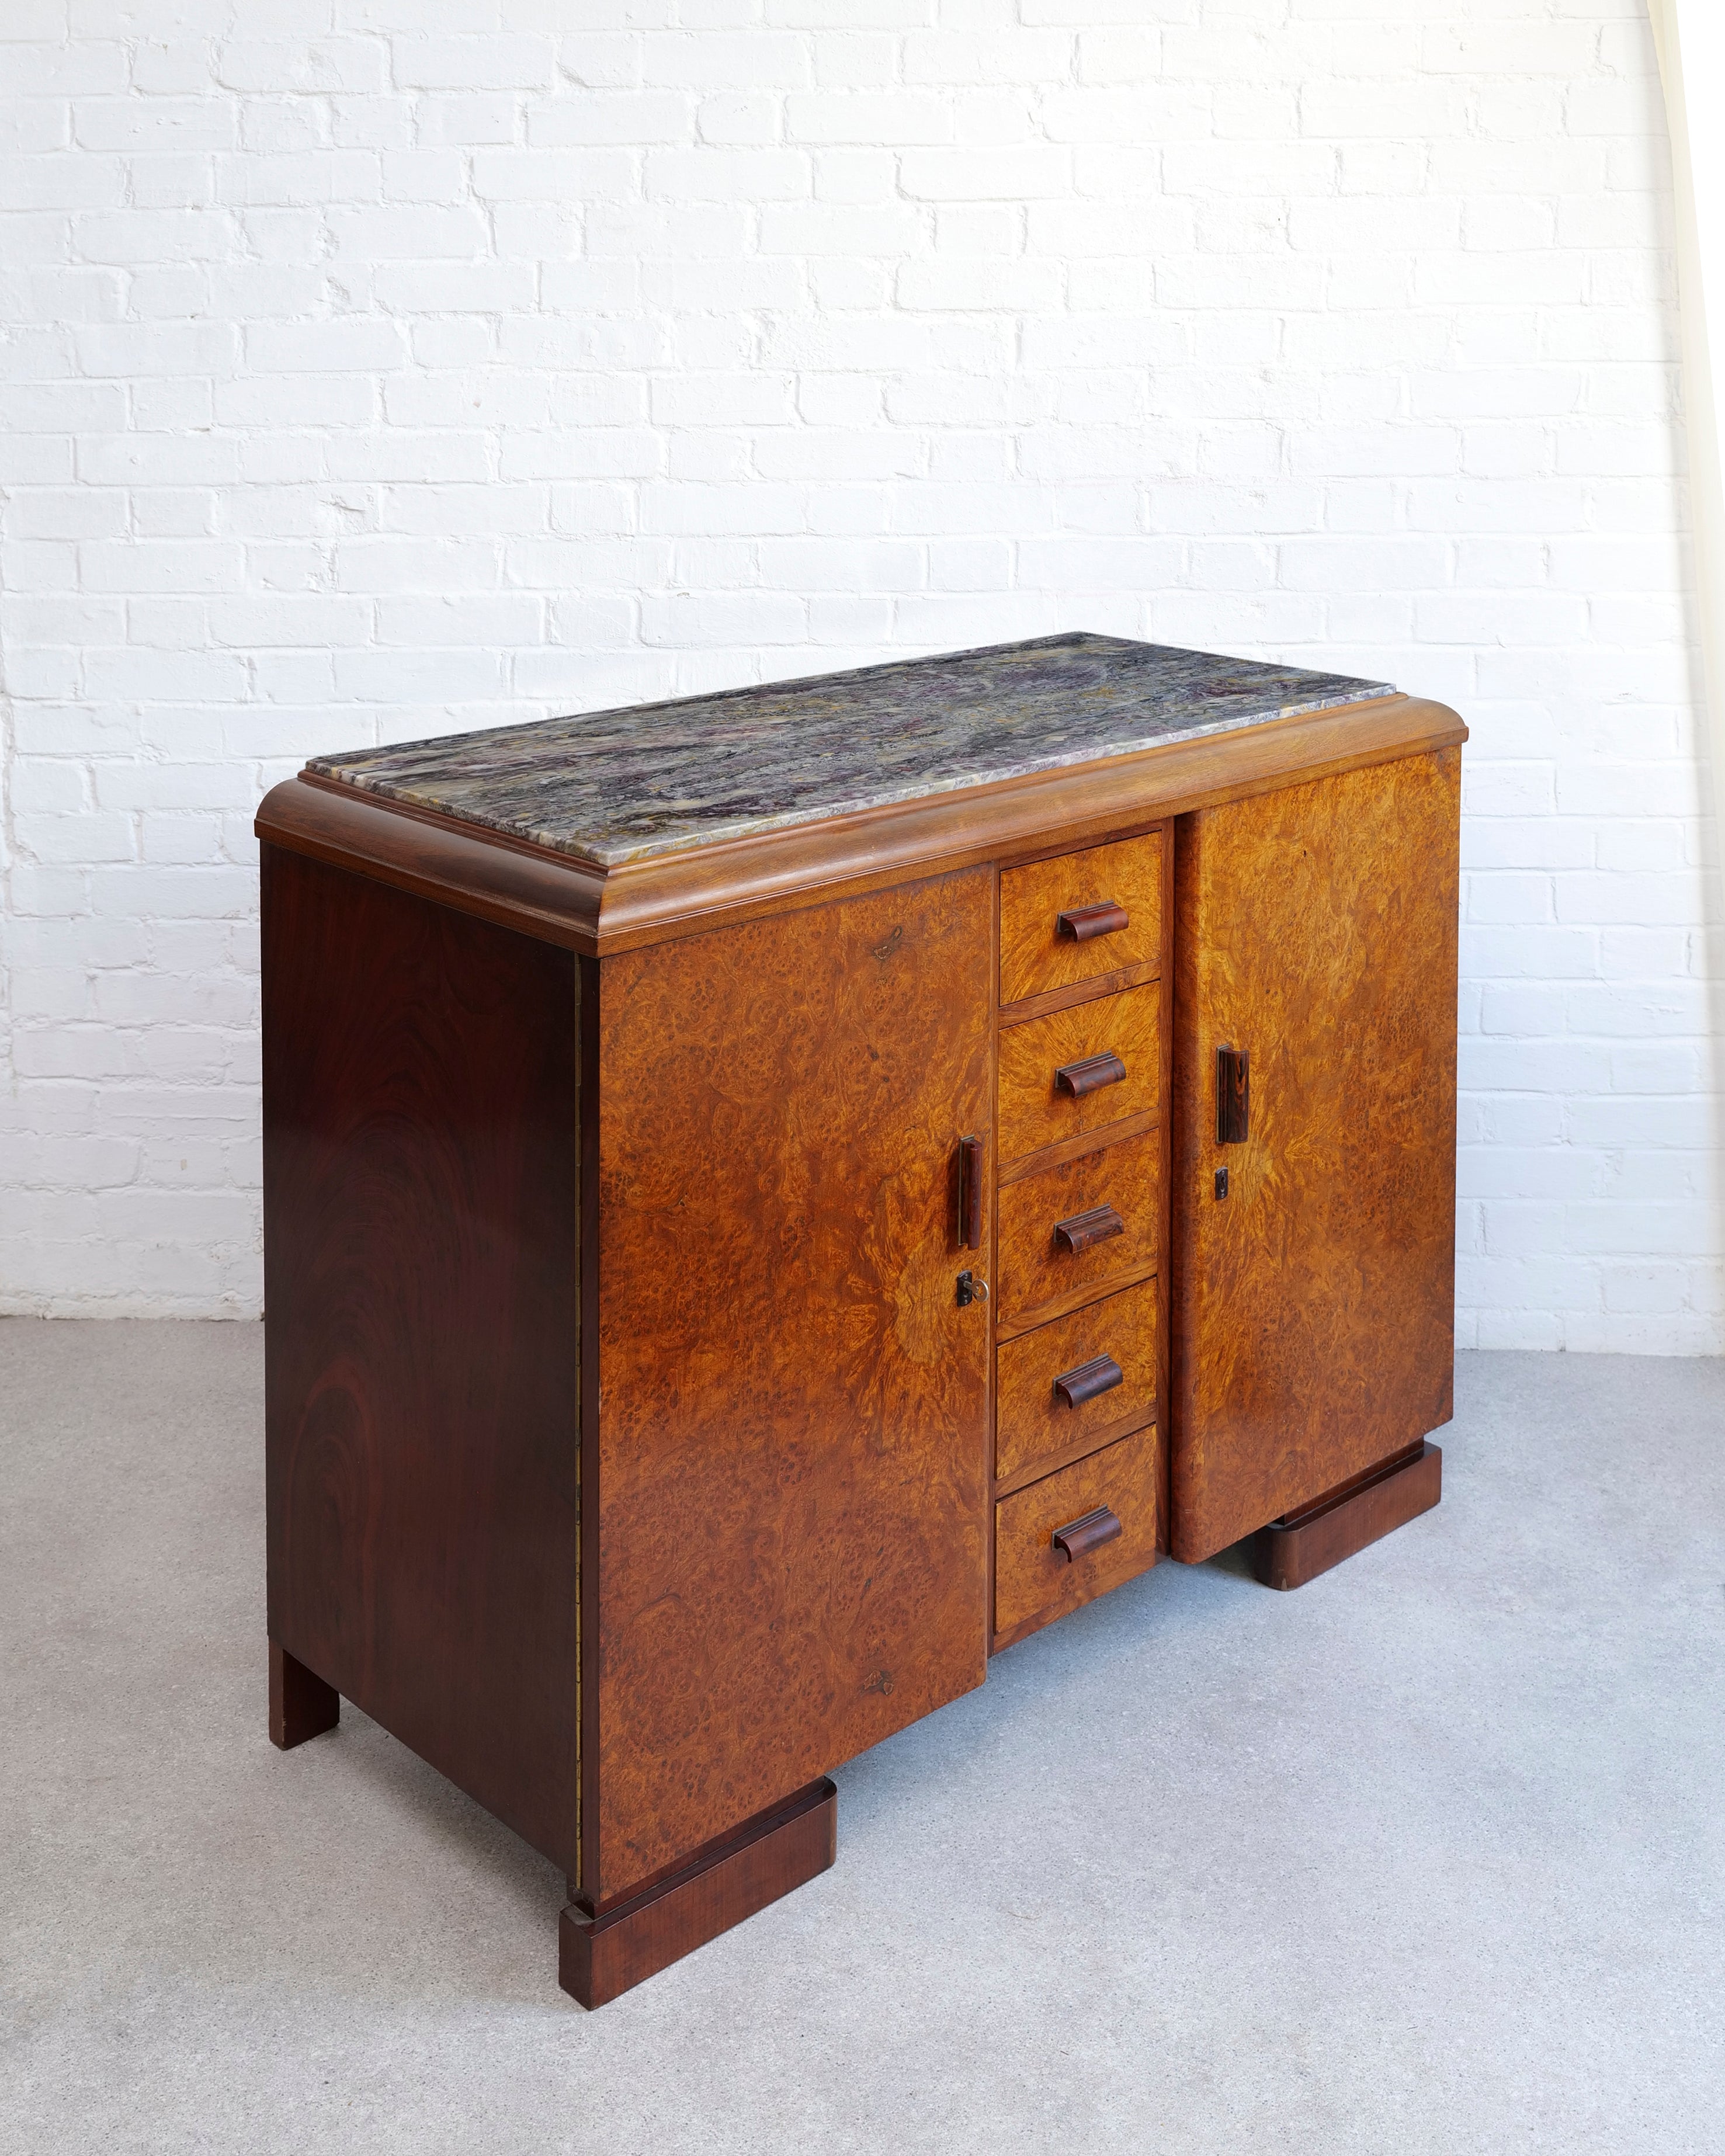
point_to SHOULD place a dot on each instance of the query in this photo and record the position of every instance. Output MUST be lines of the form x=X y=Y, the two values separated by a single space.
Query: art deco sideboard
x=772 y=1198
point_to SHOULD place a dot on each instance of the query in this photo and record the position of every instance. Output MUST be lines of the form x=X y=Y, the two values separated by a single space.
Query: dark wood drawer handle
x=1081 y=1536
x=1089 y=1076
x=1101 y=1374
x=1084 y=1228
x=1081 y=922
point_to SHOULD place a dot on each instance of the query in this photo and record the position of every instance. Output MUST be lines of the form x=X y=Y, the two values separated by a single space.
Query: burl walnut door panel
x=1313 y=1306
x=792 y=1444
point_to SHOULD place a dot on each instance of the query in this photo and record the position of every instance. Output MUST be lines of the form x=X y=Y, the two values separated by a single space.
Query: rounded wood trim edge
x=681 y=894
x=434 y=857
x=667 y=896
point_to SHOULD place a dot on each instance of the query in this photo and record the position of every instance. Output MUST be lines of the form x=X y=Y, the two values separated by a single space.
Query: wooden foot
x=602 y=1956
x=1300 y=1545
x=300 y=1704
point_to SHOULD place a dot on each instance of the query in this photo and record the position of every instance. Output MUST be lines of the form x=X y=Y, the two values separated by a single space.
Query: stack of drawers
x=1080 y=1214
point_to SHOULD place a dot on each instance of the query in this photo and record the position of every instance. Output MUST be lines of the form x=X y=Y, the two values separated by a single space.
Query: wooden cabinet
x=751 y=1227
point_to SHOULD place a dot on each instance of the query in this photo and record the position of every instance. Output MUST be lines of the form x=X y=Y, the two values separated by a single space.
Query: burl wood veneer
x=1077 y=1070
x=791 y=1475
x=1314 y=1332
x=1046 y=944
x=735 y=1172
x=1082 y=1225
x=1035 y=1580
x=1069 y=1387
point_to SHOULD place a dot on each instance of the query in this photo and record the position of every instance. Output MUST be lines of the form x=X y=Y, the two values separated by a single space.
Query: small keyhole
x=1221 y=1183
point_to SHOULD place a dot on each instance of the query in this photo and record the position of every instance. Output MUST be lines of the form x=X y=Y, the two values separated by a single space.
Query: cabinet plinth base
x=1298 y=1547
x=301 y=1704
x=604 y=1956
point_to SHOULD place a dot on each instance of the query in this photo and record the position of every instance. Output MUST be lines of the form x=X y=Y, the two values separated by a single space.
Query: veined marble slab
x=610 y=787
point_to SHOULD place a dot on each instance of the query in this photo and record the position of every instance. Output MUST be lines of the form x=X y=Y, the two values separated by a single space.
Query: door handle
x=1234 y=1095
x=1079 y=1537
x=970 y=1192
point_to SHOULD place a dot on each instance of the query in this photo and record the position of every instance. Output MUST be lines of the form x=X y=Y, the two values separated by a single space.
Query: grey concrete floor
x=1428 y=1856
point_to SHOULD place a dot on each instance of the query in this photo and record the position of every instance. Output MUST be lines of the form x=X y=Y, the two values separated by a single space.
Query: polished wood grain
x=1313 y=1328
x=1287 y=1553
x=688 y=893
x=1334 y=1496
x=600 y=1958
x=1031 y=1008
x=682 y=894
x=1035 y=1583
x=791 y=1473
x=1007 y=1328
x=1080 y=1147
x=1119 y=883
x=421 y=1209
x=1033 y=1270
x=588 y=971
x=1034 y=1109
x=486 y=874
x=1031 y=1423
x=301 y=1704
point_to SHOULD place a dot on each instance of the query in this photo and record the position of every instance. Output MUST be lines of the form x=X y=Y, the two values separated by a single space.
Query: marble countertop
x=611 y=787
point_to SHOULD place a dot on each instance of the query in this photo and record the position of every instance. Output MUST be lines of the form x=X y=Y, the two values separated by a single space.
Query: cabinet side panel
x=793 y=1426
x=1314 y=1307
x=421 y=1251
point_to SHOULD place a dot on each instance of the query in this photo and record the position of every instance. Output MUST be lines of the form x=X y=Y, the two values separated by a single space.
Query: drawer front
x=1076 y=1070
x=1034 y=1580
x=1032 y=1420
x=1038 y=954
x=1052 y=1226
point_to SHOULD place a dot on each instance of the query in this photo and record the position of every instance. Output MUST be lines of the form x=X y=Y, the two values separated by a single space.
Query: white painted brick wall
x=377 y=368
